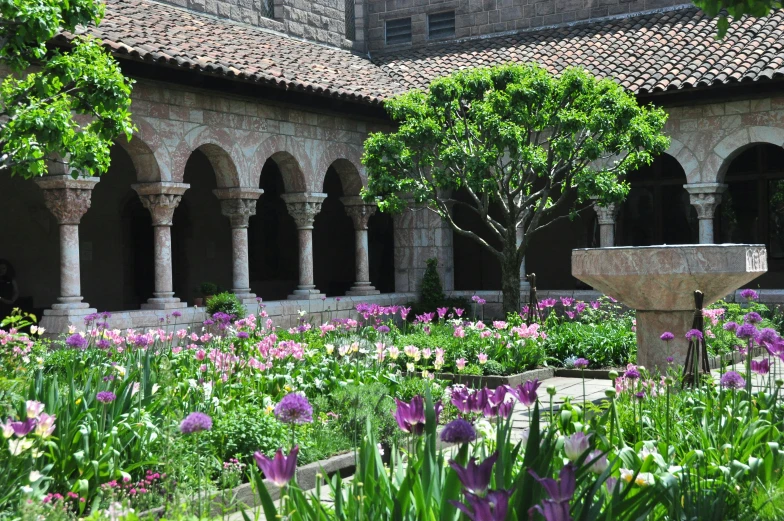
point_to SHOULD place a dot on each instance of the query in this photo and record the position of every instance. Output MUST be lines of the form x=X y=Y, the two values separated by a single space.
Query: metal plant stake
x=697 y=354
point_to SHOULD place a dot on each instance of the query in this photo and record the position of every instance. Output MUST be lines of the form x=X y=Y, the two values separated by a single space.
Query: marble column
x=304 y=207
x=239 y=204
x=161 y=199
x=360 y=212
x=705 y=197
x=68 y=199
x=606 y=217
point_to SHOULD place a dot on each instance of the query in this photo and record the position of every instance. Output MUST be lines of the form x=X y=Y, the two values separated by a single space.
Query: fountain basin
x=659 y=282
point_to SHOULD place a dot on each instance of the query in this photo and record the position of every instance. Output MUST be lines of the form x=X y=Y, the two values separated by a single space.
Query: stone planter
x=495 y=381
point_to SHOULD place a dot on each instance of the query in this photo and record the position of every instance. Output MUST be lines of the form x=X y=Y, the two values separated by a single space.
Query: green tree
x=58 y=105
x=736 y=9
x=516 y=138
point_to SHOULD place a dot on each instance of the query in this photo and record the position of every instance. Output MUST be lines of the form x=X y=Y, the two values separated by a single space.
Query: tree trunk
x=510 y=282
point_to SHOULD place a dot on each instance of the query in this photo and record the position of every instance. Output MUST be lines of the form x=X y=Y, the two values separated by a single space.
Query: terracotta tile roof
x=159 y=33
x=661 y=51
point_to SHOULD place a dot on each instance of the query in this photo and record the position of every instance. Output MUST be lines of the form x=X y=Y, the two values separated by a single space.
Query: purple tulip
x=279 y=469
x=556 y=507
x=24 y=428
x=526 y=393
x=475 y=478
x=410 y=417
x=575 y=445
x=492 y=507
x=460 y=399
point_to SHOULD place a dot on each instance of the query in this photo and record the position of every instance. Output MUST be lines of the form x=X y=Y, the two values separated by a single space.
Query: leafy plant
x=226 y=302
x=208 y=289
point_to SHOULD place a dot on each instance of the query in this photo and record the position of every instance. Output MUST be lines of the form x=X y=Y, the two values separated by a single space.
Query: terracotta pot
x=198 y=301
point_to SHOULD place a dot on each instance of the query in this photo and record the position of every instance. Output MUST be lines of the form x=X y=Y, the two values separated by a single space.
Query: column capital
x=238 y=204
x=606 y=214
x=359 y=211
x=67 y=198
x=705 y=197
x=303 y=207
x=161 y=199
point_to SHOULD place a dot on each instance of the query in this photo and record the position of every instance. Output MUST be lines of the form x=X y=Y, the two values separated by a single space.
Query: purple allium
x=103 y=344
x=242 y=334
x=294 y=408
x=556 y=507
x=279 y=469
x=106 y=397
x=475 y=478
x=730 y=326
x=732 y=380
x=631 y=374
x=410 y=417
x=76 y=341
x=576 y=445
x=458 y=431
x=746 y=331
x=768 y=335
x=526 y=393
x=667 y=336
x=749 y=294
x=195 y=422
x=752 y=317
x=640 y=395
x=208 y=322
x=762 y=367
x=581 y=363
x=694 y=335
x=670 y=359
x=176 y=314
x=492 y=507
x=382 y=329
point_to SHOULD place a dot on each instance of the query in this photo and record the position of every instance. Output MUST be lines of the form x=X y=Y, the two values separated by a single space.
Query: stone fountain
x=659 y=282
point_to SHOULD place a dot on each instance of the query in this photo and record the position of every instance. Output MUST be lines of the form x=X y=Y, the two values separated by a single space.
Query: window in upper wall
x=398 y=31
x=351 y=30
x=441 y=25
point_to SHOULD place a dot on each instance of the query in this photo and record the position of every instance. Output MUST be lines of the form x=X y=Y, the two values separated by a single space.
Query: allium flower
x=752 y=317
x=280 y=469
x=556 y=507
x=382 y=329
x=631 y=374
x=526 y=393
x=640 y=395
x=294 y=408
x=458 y=431
x=475 y=478
x=670 y=359
x=762 y=367
x=749 y=294
x=694 y=335
x=732 y=380
x=768 y=335
x=746 y=331
x=176 y=314
x=76 y=341
x=581 y=363
x=195 y=422
x=492 y=507
x=667 y=336
x=730 y=326
x=242 y=334
x=575 y=445
x=106 y=397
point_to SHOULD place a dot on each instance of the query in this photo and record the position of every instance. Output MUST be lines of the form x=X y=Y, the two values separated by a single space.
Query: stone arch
x=148 y=154
x=221 y=150
x=347 y=162
x=288 y=154
x=733 y=145
x=686 y=158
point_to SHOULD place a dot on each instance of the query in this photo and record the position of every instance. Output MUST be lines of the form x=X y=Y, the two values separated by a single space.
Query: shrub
x=245 y=430
x=606 y=344
x=226 y=302
x=432 y=293
x=208 y=289
x=493 y=368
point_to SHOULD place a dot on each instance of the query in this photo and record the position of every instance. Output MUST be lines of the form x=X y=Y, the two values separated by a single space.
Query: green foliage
x=71 y=107
x=516 y=137
x=208 y=289
x=735 y=9
x=493 y=368
x=226 y=302
x=245 y=430
x=432 y=293
x=606 y=344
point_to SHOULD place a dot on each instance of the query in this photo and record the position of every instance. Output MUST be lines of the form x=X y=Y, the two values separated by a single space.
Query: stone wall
x=481 y=17
x=420 y=235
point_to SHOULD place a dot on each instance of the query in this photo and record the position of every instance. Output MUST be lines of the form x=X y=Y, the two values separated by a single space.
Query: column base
x=306 y=294
x=164 y=303
x=362 y=290
x=651 y=350
x=70 y=310
x=244 y=294
x=60 y=319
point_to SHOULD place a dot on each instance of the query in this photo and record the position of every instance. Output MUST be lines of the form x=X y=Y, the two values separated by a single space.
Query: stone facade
x=483 y=17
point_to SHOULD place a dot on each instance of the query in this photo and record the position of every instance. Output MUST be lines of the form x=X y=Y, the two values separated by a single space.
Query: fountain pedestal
x=659 y=282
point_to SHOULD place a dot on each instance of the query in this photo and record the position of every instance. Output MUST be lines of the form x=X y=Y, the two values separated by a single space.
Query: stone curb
x=495 y=381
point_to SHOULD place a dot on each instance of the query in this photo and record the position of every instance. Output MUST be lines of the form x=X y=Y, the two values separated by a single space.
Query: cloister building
x=246 y=167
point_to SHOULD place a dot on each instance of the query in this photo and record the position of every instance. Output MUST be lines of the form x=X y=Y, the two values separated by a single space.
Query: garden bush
x=226 y=302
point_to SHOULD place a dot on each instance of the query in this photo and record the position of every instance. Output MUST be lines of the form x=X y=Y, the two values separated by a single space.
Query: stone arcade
x=246 y=168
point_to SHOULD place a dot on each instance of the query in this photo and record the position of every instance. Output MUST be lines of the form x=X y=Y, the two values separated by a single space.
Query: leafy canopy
x=63 y=106
x=736 y=9
x=514 y=136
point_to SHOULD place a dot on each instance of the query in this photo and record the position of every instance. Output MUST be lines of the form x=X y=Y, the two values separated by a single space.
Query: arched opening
x=201 y=235
x=272 y=240
x=29 y=241
x=381 y=252
x=333 y=241
x=475 y=267
x=657 y=210
x=752 y=208
x=116 y=240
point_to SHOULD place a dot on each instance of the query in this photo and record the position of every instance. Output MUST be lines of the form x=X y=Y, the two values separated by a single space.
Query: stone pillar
x=68 y=199
x=161 y=199
x=525 y=286
x=360 y=212
x=606 y=217
x=304 y=207
x=705 y=197
x=239 y=204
